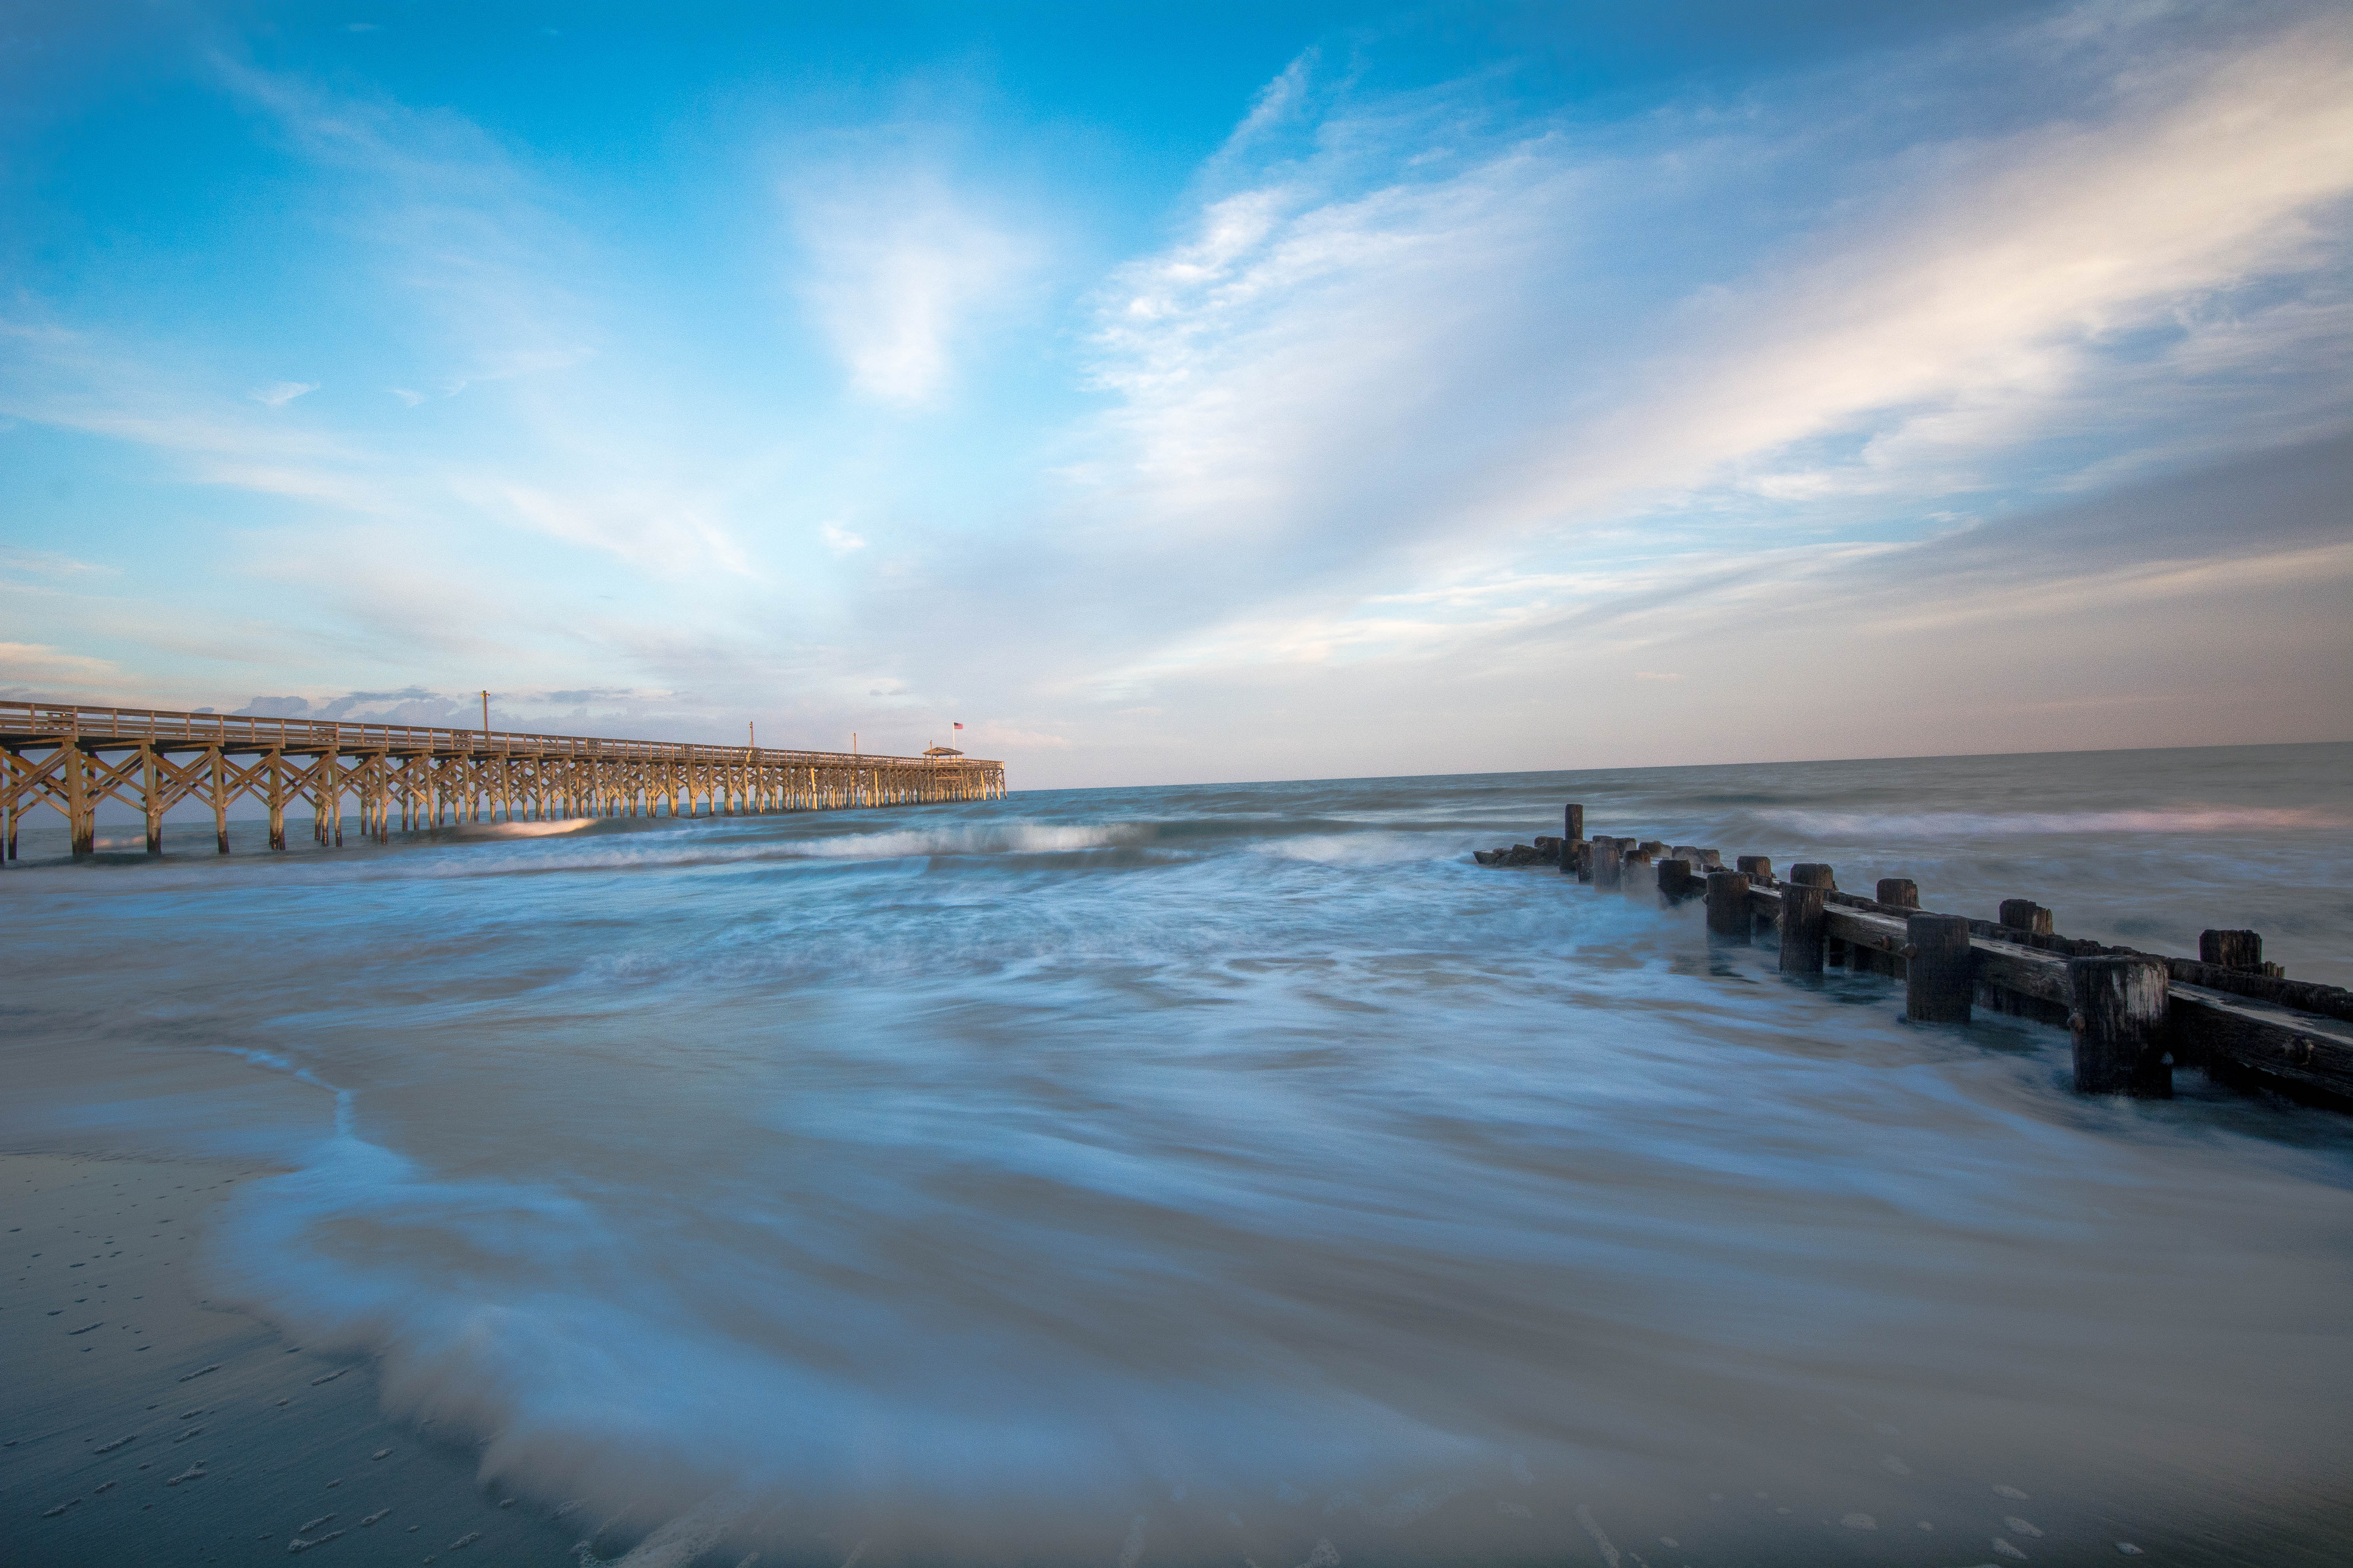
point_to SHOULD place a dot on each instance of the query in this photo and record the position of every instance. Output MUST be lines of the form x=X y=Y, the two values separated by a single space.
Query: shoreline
x=150 y=1421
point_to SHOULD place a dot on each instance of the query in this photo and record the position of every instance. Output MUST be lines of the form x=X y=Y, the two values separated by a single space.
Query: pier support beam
x=1572 y=823
x=1938 y=979
x=1609 y=864
x=1756 y=868
x=152 y=797
x=2118 y=1010
x=81 y=810
x=1901 y=891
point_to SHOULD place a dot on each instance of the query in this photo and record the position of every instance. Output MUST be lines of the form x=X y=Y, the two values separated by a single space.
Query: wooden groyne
x=411 y=777
x=2133 y=1016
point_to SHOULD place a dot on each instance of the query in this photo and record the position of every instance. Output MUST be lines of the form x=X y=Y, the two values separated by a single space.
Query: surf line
x=2133 y=1016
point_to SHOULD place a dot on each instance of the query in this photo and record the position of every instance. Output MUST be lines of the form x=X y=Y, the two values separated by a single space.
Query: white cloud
x=278 y=393
x=39 y=669
x=1374 y=366
x=839 y=540
x=658 y=531
x=901 y=268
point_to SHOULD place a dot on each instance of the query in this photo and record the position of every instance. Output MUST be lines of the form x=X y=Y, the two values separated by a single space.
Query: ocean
x=1238 y=1173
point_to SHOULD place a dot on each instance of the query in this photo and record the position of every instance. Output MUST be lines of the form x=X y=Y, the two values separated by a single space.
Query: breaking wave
x=1868 y=825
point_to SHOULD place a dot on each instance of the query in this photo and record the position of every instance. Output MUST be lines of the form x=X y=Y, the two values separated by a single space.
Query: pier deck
x=410 y=777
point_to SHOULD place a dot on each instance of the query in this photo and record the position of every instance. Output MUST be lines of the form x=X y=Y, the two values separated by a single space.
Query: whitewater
x=1240 y=1174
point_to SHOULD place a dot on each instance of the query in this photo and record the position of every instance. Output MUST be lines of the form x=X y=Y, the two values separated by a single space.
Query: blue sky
x=1189 y=392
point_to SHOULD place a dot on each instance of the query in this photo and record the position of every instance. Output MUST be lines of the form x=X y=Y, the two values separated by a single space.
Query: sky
x=1186 y=392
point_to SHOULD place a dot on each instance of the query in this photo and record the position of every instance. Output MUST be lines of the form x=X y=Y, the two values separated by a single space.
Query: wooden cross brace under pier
x=76 y=759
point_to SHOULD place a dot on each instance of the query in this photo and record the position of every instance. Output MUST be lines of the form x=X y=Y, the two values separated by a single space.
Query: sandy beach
x=146 y=1423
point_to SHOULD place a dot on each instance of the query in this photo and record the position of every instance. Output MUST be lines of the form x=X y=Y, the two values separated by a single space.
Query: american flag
x=959 y=726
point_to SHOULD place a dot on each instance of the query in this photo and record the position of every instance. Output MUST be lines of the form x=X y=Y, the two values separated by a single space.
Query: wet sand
x=145 y=1423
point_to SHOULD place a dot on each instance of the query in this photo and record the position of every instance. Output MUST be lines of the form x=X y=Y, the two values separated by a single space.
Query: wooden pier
x=2134 y=1016
x=409 y=777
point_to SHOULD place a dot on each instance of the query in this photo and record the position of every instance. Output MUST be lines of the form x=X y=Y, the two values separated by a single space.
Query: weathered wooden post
x=2232 y=950
x=1756 y=868
x=1634 y=872
x=1703 y=862
x=1901 y=891
x=220 y=802
x=1802 y=928
x=2118 y=1010
x=1577 y=859
x=152 y=798
x=1815 y=874
x=82 y=812
x=2026 y=915
x=1677 y=882
x=1653 y=847
x=1727 y=905
x=274 y=783
x=1939 y=978
x=1572 y=823
x=1608 y=863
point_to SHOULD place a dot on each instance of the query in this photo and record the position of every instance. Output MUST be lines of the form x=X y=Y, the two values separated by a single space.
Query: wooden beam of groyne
x=2133 y=1015
x=77 y=758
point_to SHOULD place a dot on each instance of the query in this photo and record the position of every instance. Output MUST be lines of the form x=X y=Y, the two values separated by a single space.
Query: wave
x=989 y=839
x=527 y=829
x=1977 y=825
x=1361 y=849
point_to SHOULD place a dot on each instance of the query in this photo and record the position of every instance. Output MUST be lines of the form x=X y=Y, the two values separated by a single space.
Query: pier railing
x=74 y=757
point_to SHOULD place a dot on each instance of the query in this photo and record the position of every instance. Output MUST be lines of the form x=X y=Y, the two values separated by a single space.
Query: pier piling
x=2241 y=949
x=2119 y=1004
x=1938 y=969
x=2026 y=915
x=1803 y=928
x=1727 y=906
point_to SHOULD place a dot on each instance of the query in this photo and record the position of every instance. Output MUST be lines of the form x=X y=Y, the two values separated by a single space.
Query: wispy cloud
x=900 y=270
x=1427 y=348
x=278 y=393
x=1420 y=399
x=37 y=670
